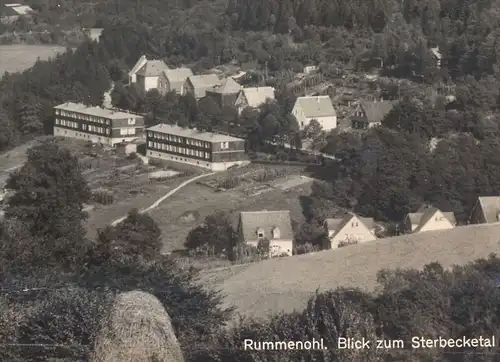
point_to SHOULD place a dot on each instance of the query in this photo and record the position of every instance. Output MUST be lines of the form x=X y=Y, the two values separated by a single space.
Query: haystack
x=138 y=329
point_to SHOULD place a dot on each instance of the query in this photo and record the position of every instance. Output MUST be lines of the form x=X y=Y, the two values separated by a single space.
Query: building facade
x=428 y=218
x=213 y=151
x=273 y=227
x=253 y=97
x=319 y=108
x=350 y=229
x=99 y=125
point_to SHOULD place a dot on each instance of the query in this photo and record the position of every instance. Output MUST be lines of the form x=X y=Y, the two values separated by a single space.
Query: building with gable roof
x=197 y=85
x=319 y=108
x=255 y=227
x=172 y=80
x=12 y=12
x=370 y=114
x=486 y=210
x=146 y=73
x=253 y=97
x=429 y=218
x=225 y=93
x=96 y=124
x=213 y=151
x=350 y=229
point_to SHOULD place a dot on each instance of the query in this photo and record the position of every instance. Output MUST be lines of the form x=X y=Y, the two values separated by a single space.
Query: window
x=260 y=233
x=207 y=155
x=150 y=134
x=224 y=145
x=276 y=233
x=131 y=121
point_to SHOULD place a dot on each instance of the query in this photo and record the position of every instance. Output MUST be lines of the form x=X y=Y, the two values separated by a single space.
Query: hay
x=138 y=330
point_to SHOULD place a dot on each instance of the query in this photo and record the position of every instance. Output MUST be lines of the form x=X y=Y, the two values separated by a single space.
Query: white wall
x=327 y=123
x=442 y=223
x=214 y=166
x=150 y=83
x=276 y=247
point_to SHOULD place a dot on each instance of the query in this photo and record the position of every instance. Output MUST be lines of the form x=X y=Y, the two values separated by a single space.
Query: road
x=163 y=198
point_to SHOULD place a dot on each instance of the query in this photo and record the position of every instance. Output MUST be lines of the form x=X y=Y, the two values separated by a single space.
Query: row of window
x=127 y=131
x=173 y=138
x=177 y=149
x=85 y=117
x=91 y=128
x=65 y=123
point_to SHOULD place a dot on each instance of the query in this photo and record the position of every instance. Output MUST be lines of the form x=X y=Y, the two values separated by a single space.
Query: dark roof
x=152 y=68
x=376 y=111
x=251 y=221
x=228 y=86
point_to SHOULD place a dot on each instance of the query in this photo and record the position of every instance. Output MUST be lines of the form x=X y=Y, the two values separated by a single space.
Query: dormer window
x=276 y=233
x=260 y=233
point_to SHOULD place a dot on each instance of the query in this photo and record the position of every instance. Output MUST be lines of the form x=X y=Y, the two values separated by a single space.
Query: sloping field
x=19 y=57
x=286 y=284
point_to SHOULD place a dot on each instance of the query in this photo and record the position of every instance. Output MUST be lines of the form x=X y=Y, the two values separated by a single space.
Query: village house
x=213 y=151
x=350 y=229
x=12 y=12
x=259 y=227
x=319 y=108
x=486 y=210
x=428 y=218
x=197 y=85
x=253 y=97
x=370 y=114
x=172 y=80
x=146 y=73
x=96 y=124
x=224 y=94
x=93 y=33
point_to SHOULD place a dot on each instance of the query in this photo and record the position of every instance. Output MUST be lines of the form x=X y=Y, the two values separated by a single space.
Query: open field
x=189 y=207
x=19 y=57
x=286 y=284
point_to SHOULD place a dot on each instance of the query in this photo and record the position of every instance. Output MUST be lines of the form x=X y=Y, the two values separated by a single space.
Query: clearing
x=249 y=188
x=19 y=57
x=286 y=284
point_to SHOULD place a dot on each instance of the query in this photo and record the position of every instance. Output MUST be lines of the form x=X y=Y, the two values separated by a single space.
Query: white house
x=147 y=73
x=253 y=97
x=319 y=108
x=429 y=218
x=350 y=229
x=273 y=226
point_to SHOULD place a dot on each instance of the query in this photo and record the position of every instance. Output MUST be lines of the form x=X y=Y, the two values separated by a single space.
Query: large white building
x=319 y=108
x=213 y=151
x=96 y=124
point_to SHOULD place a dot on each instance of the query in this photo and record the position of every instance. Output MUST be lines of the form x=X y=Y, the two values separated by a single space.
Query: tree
x=312 y=130
x=138 y=236
x=215 y=235
x=49 y=193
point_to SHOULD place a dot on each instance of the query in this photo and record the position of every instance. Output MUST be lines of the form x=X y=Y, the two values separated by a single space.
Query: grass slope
x=286 y=284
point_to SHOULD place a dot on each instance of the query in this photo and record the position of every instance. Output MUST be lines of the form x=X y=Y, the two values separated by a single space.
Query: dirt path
x=163 y=198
